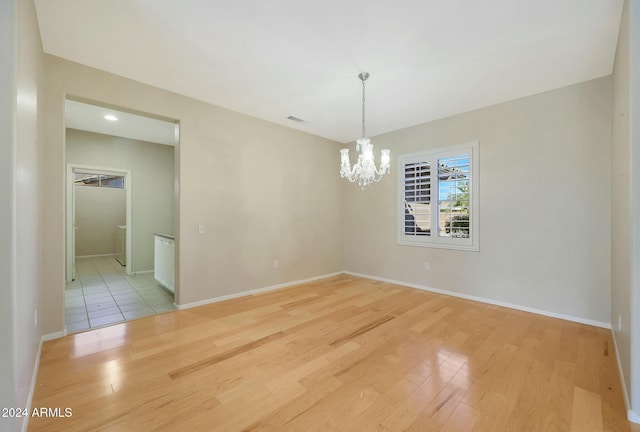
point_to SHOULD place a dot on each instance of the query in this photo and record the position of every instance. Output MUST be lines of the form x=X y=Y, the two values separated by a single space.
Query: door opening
x=100 y=290
x=97 y=176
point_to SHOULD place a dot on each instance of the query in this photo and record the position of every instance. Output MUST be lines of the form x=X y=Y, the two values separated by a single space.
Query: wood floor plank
x=559 y=404
x=194 y=367
x=586 y=414
x=343 y=353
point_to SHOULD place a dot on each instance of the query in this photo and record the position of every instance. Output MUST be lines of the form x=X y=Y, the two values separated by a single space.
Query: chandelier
x=364 y=171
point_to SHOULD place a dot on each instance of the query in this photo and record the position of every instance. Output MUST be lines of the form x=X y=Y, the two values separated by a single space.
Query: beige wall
x=263 y=191
x=625 y=242
x=152 y=180
x=621 y=227
x=20 y=194
x=544 y=206
x=8 y=35
x=634 y=115
x=625 y=205
x=99 y=211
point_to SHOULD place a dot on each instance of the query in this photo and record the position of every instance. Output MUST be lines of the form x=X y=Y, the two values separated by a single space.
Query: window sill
x=469 y=248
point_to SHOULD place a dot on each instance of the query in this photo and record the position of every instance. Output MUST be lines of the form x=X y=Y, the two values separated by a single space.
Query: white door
x=73 y=234
x=71 y=228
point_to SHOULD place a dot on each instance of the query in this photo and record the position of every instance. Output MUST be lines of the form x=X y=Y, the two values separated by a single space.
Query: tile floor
x=103 y=294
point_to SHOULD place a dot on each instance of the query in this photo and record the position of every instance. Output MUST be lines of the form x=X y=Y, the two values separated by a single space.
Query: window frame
x=434 y=240
x=103 y=180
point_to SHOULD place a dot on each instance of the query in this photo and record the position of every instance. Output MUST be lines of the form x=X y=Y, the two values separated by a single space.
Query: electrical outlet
x=427 y=266
x=276 y=264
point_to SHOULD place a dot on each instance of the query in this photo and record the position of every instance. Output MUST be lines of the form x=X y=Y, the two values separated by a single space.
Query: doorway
x=103 y=186
x=107 y=149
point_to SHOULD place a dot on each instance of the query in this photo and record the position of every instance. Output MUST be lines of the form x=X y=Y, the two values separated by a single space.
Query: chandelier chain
x=363 y=103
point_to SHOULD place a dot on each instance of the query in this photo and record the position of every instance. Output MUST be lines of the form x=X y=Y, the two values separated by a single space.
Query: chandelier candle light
x=364 y=171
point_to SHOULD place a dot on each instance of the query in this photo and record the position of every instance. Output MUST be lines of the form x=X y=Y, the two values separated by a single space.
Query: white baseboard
x=96 y=256
x=34 y=376
x=486 y=300
x=32 y=388
x=142 y=272
x=52 y=336
x=255 y=291
x=630 y=414
x=407 y=284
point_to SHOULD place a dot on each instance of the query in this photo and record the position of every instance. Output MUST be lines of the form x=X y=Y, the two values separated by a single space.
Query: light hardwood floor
x=344 y=354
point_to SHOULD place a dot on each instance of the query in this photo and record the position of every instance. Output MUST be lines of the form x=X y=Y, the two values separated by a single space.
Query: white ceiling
x=91 y=118
x=428 y=59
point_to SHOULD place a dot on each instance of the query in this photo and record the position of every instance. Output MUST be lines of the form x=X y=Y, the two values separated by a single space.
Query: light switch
x=200 y=229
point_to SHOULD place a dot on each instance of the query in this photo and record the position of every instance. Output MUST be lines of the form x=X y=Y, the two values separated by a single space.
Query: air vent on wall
x=295 y=119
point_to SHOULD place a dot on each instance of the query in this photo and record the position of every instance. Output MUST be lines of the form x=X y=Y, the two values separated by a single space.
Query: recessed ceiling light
x=111 y=117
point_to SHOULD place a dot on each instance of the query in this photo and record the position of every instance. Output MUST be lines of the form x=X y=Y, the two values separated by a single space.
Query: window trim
x=434 y=240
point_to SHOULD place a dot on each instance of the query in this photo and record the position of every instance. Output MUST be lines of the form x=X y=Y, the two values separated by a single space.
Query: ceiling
x=79 y=115
x=428 y=59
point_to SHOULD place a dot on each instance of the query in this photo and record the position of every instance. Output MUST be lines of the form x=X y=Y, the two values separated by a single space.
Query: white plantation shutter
x=437 y=193
x=417 y=198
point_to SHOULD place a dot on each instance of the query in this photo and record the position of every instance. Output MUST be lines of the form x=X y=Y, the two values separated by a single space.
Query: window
x=438 y=198
x=98 y=180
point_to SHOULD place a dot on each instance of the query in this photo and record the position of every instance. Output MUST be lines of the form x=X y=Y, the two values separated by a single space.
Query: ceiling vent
x=295 y=119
